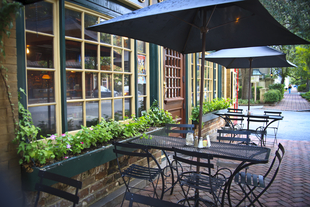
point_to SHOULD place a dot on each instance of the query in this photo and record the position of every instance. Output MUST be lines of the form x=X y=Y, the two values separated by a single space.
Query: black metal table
x=247 y=155
x=262 y=131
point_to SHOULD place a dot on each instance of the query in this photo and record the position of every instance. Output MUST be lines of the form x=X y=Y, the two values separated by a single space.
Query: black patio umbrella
x=250 y=57
x=185 y=25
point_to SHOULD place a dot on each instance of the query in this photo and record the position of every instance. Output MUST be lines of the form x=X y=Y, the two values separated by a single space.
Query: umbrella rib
x=231 y=63
x=185 y=21
x=185 y=45
x=211 y=16
x=230 y=22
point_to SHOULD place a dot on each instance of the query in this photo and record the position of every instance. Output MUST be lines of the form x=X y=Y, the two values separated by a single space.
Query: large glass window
x=207 y=84
x=142 y=76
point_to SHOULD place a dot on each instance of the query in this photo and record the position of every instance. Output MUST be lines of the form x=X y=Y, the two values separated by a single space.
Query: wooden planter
x=75 y=165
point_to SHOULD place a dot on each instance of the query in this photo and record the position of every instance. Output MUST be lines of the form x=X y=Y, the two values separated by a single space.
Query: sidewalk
x=291 y=102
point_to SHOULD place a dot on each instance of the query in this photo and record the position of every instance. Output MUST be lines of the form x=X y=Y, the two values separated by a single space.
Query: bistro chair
x=260 y=131
x=141 y=199
x=274 y=126
x=136 y=171
x=57 y=192
x=179 y=129
x=201 y=180
x=234 y=122
x=248 y=182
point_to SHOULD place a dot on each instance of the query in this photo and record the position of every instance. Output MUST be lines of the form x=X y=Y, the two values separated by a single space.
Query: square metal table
x=247 y=155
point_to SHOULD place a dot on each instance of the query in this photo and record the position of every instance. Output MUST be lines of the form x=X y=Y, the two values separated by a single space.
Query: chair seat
x=201 y=181
x=141 y=172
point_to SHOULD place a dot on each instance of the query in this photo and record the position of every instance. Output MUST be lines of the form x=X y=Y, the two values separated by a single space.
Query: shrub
x=240 y=92
x=245 y=101
x=272 y=96
x=280 y=87
x=306 y=95
x=302 y=87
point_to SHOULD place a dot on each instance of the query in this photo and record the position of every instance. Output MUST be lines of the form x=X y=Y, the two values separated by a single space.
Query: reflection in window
x=118 y=83
x=89 y=21
x=140 y=46
x=74 y=115
x=106 y=85
x=117 y=40
x=74 y=85
x=73 y=54
x=40 y=87
x=117 y=62
x=118 y=109
x=90 y=56
x=91 y=85
x=106 y=109
x=127 y=91
x=128 y=107
x=126 y=61
x=141 y=105
x=126 y=42
x=141 y=85
x=39 y=17
x=73 y=23
x=92 y=113
x=39 y=51
x=45 y=118
x=105 y=58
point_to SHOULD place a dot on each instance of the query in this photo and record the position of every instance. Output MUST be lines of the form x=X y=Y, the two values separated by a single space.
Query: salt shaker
x=208 y=140
x=200 y=145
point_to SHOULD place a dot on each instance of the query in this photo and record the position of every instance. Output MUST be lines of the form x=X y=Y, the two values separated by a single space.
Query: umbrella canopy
x=189 y=26
x=250 y=57
x=178 y=25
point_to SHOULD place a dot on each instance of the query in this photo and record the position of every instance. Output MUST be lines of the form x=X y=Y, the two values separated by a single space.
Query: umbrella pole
x=249 y=93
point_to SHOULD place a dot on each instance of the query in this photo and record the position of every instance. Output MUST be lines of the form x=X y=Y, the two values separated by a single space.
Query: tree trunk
x=245 y=83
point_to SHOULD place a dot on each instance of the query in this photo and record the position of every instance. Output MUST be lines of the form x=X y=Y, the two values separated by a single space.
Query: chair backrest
x=258 y=119
x=179 y=157
x=134 y=150
x=57 y=192
x=179 y=128
x=277 y=113
x=233 y=135
x=232 y=110
x=136 y=198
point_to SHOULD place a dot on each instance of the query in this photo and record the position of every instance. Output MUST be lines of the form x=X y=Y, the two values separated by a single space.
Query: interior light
x=237 y=19
x=46 y=77
x=27 y=50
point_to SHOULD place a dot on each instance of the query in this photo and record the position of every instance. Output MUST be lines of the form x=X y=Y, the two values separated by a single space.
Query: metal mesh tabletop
x=247 y=153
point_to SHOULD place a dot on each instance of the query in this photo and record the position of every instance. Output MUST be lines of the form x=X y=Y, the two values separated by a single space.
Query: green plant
x=280 y=87
x=215 y=104
x=306 y=95
x=301 y=87
x=272 y=96
x=245 y=101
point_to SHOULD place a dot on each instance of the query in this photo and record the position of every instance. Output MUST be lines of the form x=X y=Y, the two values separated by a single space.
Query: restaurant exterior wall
x=9 y=167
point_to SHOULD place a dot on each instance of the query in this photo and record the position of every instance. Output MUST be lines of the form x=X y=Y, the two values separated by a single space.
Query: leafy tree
x=302 y=60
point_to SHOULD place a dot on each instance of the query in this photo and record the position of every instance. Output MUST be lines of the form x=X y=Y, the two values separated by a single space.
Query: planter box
x=209 y=116
x=75 y=165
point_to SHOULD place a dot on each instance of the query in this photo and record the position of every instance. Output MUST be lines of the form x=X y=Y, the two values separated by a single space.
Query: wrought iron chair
x=274 y=126
x=57 y=192
x=134 y=171
x=200 y=179
x=141 y=199
x=233 y=122
x=250 y=182
x=259 y=131
x=179 y=129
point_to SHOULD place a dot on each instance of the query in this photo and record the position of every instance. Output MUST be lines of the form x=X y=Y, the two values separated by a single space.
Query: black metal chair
x=274 y=126
x=135 y=171
x=57 y=192
x=141 y=199
x=179 y=129
x=259 y=131
x=249 y=182
x=200 y=179
x=234 y=122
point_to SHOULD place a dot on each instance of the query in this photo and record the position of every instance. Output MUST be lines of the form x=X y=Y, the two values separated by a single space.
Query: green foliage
x=280 y=87
x=272 y=96
x=245 y=101
x=306 y=95
x=302 y=87
x=214 y=105
x=240 y=92
x=59 y=147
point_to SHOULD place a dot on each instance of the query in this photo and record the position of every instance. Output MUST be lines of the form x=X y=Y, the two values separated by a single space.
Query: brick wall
x=9 y=167
x=97 y=184
x=211 y=127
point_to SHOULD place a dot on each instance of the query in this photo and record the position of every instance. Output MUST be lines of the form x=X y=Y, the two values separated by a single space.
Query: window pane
x=128 y=107
x=118 y=84
x=91 y=85
x=141 y=105
x=106 y=109
x=141 y=65
x=39 y=17
x=105 y=58
x=106 y=85
x=44 y=117
x=126 y=42
x=74 y=85
x=92 y=113
x=73 y=23
x=126 y=61
x=117 y=40
x=73 y=54
x=127 y=91
x=117 y=62
x=104 y=37
x=140 y=46
x=141 y=85
x=40 y=87
x=118 y=109
x=74 y=115
x=39 y=51
x=89 y=21
x=90 y=56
